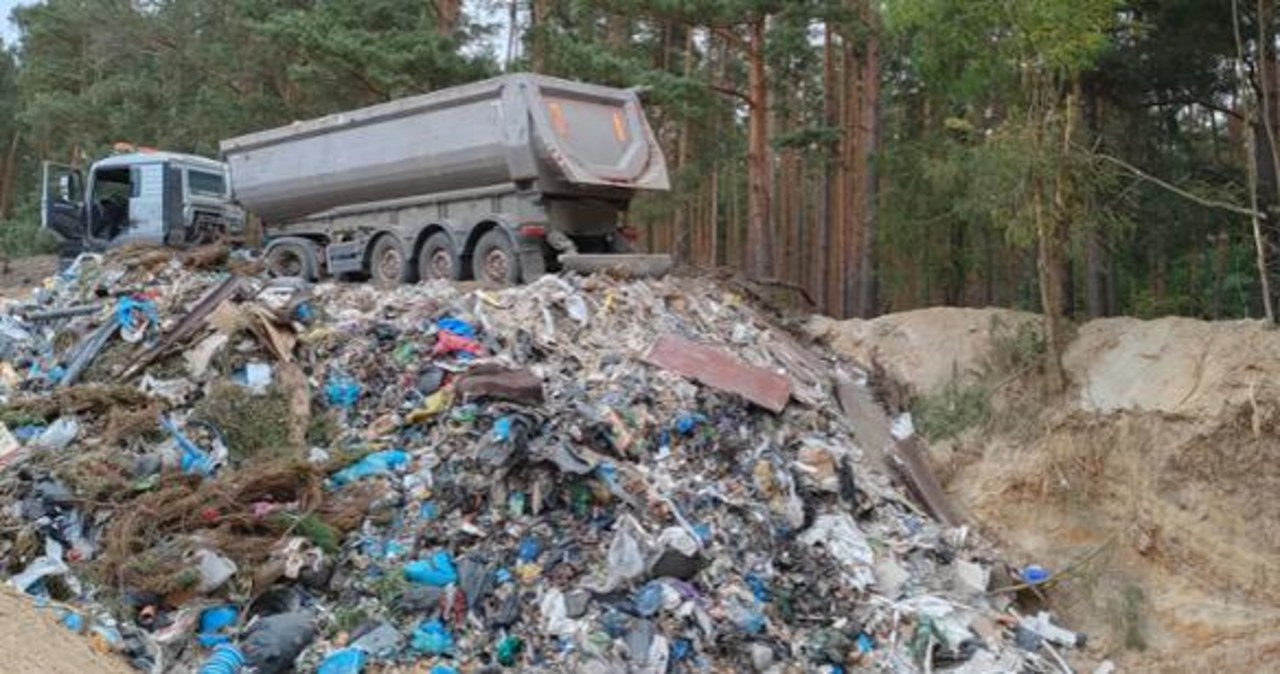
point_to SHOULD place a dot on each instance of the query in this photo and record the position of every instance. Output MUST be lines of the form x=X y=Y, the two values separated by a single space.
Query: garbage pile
x=582 y=474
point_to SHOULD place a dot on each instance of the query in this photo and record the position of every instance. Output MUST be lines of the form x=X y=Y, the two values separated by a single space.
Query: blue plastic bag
x=457 y=327
x=378 y=463
x=438 y=571
x=213 y=622
x=648 y=599
x=345 y=661
x=342 y=391
x=432 y=638
x=528 y=550
x=195 y=461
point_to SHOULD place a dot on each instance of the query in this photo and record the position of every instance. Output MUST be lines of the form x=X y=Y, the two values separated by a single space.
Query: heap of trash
x=207 y=468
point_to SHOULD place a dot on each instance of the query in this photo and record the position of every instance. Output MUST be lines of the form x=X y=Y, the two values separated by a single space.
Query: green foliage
x=22 y=236
x=1015 y=348
x=962 y=404
x=976 y=98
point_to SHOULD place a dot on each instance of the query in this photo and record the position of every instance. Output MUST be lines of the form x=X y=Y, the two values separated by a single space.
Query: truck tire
x=388 y=263
x=495 y=260
x=292 y=258
x=438 y=260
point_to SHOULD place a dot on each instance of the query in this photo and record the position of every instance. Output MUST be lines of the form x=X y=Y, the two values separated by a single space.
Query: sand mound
x=923 y=349
x=1164 y=455
x=32 y=641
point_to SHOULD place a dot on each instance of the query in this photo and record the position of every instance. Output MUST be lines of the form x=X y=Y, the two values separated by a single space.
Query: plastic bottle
x=226 y=659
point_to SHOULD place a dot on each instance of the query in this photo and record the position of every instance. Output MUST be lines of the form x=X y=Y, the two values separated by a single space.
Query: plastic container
x=1034 y=575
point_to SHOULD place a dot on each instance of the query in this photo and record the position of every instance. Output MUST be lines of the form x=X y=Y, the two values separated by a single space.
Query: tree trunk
x=8 y=177
x=870 y=146
x=1095 y=275
x=759 y=162
x=1050 y=281
x=448 y=16
x=1052 y=232
x=538 y=19
x=618 y=32
x=821 y=253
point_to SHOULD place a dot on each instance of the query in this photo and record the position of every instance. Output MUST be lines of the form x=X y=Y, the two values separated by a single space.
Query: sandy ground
x=21 y=274
x=1164 y=455
x=31 y=640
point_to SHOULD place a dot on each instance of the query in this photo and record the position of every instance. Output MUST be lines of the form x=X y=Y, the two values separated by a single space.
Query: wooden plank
x=721 y=370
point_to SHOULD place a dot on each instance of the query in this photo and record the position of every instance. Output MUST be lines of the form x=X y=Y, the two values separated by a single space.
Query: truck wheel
x=292 y=258
x=438 y=260
x=388 y=264
x=494 y=260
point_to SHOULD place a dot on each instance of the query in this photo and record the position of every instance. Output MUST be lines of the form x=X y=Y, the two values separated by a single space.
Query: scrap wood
x=721 y=370
x=907 y=458
x=1061 y=574
x=87 y=351
x=187 y=327
x=293 y=381
x=501 y=383
x=276 y=336
x=36 y=315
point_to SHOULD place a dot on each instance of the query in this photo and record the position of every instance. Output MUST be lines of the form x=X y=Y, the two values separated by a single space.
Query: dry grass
x=146 y=543
x=255 y=427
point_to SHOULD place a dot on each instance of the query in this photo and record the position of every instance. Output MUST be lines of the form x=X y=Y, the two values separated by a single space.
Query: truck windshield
x=206 y=183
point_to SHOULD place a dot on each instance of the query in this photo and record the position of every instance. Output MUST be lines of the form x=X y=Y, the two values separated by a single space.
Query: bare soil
x=23 y=273
x=32 y=641
x=1164 y=454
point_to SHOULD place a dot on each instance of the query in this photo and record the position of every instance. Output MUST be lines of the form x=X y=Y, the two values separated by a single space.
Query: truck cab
x=157 y=198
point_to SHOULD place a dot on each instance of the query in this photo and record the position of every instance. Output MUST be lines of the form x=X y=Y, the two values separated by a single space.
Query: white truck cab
x=139 y=197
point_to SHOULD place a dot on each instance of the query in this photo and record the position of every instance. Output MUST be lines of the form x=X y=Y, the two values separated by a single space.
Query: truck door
x=146 y=205
x=62 y=201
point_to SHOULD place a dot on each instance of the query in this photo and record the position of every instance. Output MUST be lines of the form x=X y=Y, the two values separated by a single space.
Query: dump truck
x=499 y=181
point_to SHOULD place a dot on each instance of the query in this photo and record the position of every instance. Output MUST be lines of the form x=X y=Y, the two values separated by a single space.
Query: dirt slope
x=31 y=640
x=1165 y=454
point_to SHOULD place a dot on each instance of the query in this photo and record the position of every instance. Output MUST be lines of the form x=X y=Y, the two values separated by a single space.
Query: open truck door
x=62 y=202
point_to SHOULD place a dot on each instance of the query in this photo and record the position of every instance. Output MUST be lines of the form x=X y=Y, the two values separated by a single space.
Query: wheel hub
x=390 y=264
x=441 y=265
x=497 y=266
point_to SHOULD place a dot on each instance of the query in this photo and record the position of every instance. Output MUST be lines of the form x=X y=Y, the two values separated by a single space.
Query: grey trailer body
x=497 y=180
x=158 y=198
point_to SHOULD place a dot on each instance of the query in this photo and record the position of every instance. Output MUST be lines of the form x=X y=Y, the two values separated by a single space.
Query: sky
x=7 y=30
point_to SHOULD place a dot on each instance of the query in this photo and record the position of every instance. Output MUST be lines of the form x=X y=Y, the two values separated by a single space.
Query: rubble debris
x=563 y=476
